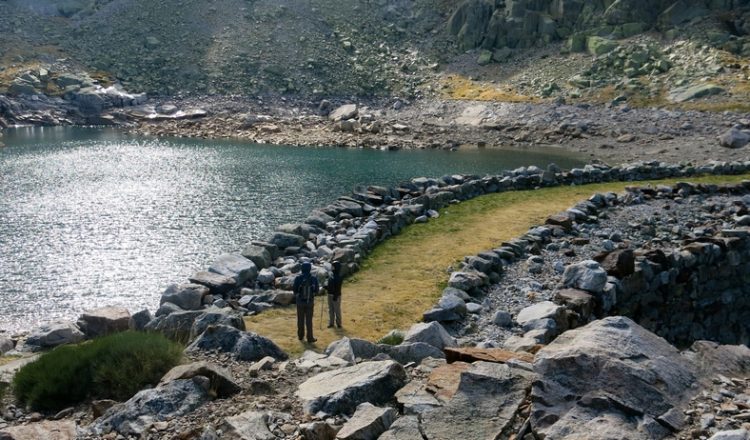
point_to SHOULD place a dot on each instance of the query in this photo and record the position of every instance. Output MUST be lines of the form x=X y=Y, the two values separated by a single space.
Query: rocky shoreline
x=613 y=133
x=501 y=308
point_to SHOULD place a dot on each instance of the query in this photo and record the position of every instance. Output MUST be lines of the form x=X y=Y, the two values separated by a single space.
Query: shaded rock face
x=611 y=376
x=221 y=379
x=104 y=321
x=52 y=335
x=368 y=422
x=242 y=345
x=522 y=23
x=340 y=391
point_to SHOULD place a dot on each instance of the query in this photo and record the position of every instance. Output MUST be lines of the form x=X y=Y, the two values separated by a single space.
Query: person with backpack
x=305 y=288
x=334 y=295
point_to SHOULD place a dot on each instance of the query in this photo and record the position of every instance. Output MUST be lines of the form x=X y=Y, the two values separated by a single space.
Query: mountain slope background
x=530 y=48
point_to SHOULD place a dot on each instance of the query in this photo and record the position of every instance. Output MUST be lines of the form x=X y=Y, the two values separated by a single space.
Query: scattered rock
x=367 y=423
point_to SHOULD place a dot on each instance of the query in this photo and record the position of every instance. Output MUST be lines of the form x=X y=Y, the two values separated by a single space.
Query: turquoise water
x=94 y=217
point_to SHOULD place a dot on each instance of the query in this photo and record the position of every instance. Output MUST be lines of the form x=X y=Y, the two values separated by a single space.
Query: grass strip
x=404 y=276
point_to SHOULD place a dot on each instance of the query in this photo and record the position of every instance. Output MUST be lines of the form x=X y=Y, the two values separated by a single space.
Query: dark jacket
x=301 y=278
x=334 y=285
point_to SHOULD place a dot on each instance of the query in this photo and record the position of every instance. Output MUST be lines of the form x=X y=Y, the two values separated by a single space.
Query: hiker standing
x=334 y=296
x=305 y=288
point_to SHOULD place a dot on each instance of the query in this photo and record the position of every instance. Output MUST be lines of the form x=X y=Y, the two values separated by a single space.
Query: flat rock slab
x=484 y=406
x=340 y=391
x=367 y=423
x=497 y=355
x=443 y=380
x=47 y=430
x=430 y=333
x=104 y=321
x=217 y=284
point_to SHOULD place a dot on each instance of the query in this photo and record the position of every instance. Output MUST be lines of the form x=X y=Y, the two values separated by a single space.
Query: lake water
x=94 y=217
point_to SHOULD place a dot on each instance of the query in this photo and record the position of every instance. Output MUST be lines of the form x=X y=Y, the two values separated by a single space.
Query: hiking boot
x=331 y=326
x=311 y=340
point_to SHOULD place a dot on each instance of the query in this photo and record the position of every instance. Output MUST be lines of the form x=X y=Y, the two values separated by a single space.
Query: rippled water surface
x=93 y=217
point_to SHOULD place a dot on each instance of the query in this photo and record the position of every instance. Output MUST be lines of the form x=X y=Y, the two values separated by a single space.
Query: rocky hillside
x=372 y=47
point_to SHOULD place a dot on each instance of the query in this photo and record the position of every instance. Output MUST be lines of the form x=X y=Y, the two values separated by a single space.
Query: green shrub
x=394 y=337
x=3 y=388
x=112 y=367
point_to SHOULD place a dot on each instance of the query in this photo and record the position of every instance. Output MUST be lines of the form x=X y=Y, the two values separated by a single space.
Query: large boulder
x=430 y=333
x=104 y=321
x=258 y=255
x=52 y=335
x=242 y=345
x=609 y=377
x=340 y=391
x=734 y=138
x=543 y=310
x=351 y=349
x=284 y=240
x=486 y=399
x=216 y=283
x=235 y=266
x=587 y=275
x=344 y=113
x=467 y=281
x=211 y=317
x=134 y=417
x=176 y=326
x=185 y=296
x=221 y=380
x=367 y=423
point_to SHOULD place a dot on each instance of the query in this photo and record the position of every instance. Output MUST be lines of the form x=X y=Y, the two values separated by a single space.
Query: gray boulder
x=502 y=318
x=284 y=240
x=611 y=376
x=52 y=335
x=453 y=304
x=211 y=317
x=249 y=425
x=217 y=284
x=344 y=113
x=467 y=281
x=430 y=333
x=340 y=391
x=734 y=138
x=540 y=311
x=134 y=417
x=351 y=349
x=415 y=399
x=6 y=345
x=185 y=296
x=104 y=321
x=168 y=308
x=587 y=275
x=692 y=92
x=221 y=380
x=735 y=434
x=242 y=345
x=258 y=255
x=235 y=266
x=175 y=326
x=139 y=320
x=367 y=423
x=412 y=352
x=486 y=401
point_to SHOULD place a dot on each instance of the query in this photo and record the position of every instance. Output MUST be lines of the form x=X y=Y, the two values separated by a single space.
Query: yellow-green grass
x=7 y=359
x=404 y=276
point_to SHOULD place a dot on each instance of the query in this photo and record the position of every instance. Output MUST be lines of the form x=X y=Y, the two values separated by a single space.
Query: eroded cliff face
x=529 y=23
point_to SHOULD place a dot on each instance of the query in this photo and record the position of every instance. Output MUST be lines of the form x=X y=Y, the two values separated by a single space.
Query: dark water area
x=95 y=217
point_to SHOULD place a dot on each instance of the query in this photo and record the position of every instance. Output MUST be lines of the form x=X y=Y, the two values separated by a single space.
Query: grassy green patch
x=394 y=337
x=404 y=276
x=112 y=367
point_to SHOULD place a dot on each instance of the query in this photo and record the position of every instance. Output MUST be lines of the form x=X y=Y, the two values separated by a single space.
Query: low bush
x=112 y=367
x=394 y=337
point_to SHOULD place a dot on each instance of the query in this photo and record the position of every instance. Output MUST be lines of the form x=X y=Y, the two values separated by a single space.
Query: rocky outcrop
x=52 y=335
x=611 y=376
x=340 y=391
x=221 y=380
x=104 y=321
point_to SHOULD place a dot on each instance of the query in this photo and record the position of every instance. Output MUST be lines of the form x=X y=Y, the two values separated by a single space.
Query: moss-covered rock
x=600 y=46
